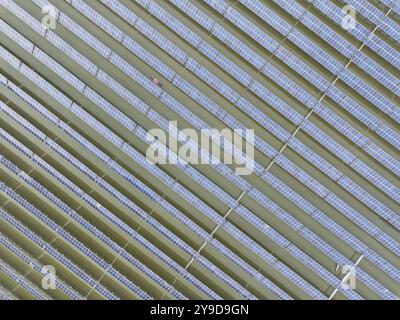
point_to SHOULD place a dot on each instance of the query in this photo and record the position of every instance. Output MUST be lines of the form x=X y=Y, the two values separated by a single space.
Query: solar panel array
x=77 y=192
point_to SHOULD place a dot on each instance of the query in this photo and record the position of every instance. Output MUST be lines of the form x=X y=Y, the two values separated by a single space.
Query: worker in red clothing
x=156 y=81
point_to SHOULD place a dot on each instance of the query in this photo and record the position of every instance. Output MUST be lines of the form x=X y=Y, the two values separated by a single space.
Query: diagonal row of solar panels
x=78 y=193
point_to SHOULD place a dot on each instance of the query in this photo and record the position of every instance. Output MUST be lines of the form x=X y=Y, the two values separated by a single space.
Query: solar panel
x=80 y=101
